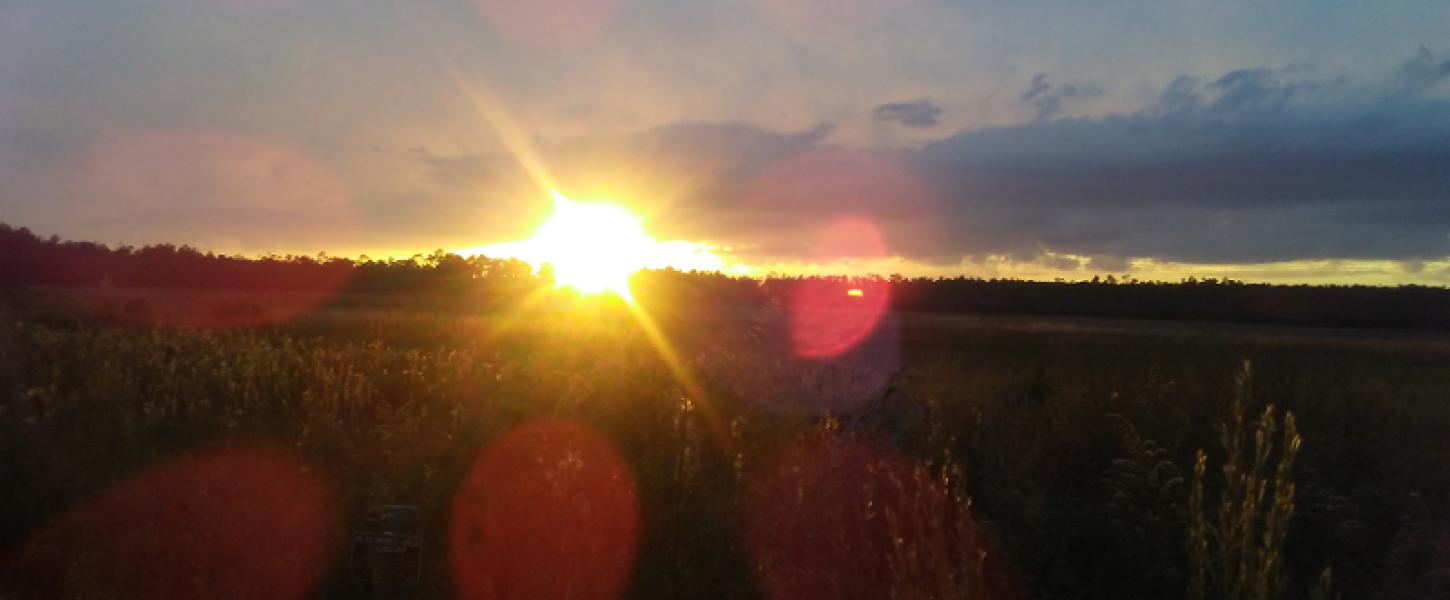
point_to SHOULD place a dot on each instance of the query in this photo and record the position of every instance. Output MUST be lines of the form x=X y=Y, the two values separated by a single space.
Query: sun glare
x=595 y=247
x=592 y=247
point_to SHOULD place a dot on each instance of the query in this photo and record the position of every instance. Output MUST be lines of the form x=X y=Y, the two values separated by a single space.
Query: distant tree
x=29 y=260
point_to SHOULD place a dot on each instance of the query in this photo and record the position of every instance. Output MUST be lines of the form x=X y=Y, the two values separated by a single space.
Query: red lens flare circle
x=829 y=316
x=846 y=519
x=547 y=511
x=237 y=523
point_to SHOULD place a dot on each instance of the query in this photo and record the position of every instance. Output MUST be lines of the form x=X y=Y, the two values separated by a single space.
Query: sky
x=1292 y=141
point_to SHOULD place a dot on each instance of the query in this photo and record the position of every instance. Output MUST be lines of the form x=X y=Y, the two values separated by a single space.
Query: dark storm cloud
x=915 y=113
x=1255 y=165
x=1047 y=100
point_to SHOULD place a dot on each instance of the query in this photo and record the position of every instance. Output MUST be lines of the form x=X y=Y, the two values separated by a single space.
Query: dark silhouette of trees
x=1408 y=306
x=29 y=260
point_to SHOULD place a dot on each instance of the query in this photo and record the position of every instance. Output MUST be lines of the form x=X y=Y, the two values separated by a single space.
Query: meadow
x=945 y=456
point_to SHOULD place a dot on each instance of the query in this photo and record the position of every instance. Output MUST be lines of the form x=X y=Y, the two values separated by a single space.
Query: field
x=567 y=448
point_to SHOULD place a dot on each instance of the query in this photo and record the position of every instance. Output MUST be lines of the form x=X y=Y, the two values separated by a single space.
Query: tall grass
x=1242 y=556
x=1057 y=448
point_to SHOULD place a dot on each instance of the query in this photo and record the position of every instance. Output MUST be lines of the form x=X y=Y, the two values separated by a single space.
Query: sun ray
x=623 y=234
x=681 y=373
x=509 y=318
x=485 y=103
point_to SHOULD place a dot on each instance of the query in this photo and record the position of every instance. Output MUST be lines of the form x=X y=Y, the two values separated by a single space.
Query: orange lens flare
x=548 y=511
x=834 y=519
x=236 y=523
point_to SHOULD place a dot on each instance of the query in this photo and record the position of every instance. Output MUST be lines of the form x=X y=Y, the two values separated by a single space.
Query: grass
x=1052 y=459
x=1254 y=508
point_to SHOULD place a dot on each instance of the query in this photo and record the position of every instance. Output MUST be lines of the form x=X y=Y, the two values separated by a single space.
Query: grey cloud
x=1114 y=264
x=1047 y=99
x=1256 y=165
x=756 y=190
x=915 y=113
x=1245 y=93
x=719 y=150
x=664 y=170
x=732 y=148
x=1252 y=165
x=716 y=159
x=1424 y=71
x=1060 y=263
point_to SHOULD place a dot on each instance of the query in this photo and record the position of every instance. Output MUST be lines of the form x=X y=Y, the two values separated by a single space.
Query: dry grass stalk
x=1250 y=533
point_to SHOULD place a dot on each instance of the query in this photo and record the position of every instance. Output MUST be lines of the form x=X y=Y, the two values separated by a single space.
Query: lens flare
x=873 y=189
x=236 y=523
x=548 y=511
x=831 y=316
x=847 y=519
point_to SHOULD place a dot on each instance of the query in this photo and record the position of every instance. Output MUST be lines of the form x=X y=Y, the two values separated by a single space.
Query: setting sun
x=592 y=247
x=595 y=247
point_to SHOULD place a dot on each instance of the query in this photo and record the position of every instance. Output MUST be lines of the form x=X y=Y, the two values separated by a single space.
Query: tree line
x=30 y=260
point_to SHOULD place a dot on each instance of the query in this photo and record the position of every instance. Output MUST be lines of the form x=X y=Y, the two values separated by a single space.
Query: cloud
x=1218 y=165
x=1424 y=71
x=1047 y=100
x=1251 y=166
x=1116 y=264
x=914 y=113
x=1059 y=263
x=692 y=177
x=1254 y=165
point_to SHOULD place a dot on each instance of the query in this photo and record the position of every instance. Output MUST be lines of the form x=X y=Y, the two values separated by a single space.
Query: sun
x=595 y=247
x=592 y=247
